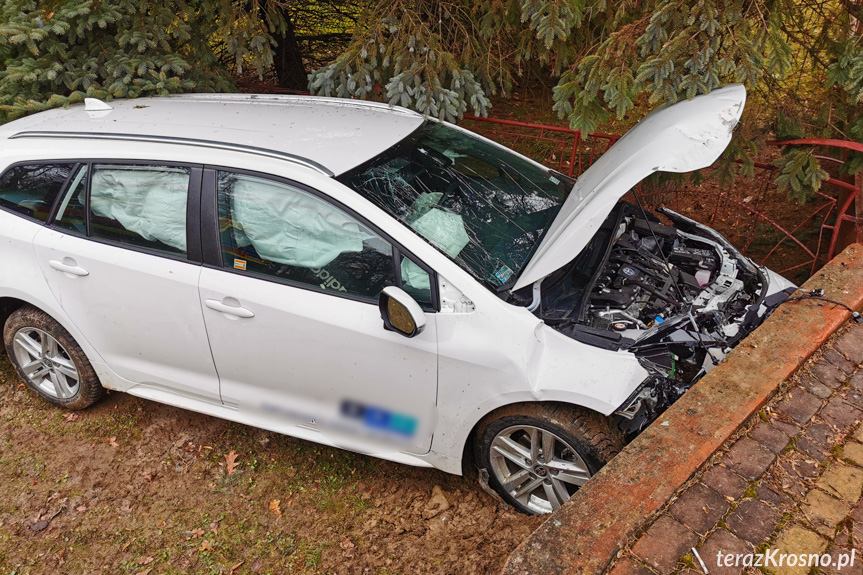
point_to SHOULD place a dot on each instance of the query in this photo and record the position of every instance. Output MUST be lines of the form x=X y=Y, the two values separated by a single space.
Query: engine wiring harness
x=818 y=294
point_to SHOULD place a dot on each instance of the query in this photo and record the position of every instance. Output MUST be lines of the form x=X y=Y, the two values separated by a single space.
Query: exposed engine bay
x=677 y=296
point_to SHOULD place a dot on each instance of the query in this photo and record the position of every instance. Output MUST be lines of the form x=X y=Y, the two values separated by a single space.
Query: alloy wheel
x=45 y=363
x=536 y=467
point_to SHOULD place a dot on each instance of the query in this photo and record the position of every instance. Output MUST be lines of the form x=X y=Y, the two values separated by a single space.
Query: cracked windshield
x=483 y=206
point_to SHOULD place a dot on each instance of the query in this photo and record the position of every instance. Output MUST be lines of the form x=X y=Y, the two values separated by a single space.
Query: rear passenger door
x=123 y=262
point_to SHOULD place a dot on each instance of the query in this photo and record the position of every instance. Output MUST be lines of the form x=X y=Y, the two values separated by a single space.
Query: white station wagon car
x=361 y=276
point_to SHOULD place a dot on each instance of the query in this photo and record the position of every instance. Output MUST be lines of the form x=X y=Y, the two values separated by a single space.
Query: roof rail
x=293 y=97
x=180 y=141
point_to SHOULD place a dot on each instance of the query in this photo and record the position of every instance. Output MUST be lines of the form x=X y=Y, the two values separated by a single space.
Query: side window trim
x=64 y=199
x=87 y=208
x=59 y=199
x=193 y=201
x=212 y=248
x=209 y=216
x=193 y=223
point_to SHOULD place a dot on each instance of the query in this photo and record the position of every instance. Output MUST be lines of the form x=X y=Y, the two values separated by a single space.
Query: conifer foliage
x=802 y=60
x=800 y=57
x=55 y=52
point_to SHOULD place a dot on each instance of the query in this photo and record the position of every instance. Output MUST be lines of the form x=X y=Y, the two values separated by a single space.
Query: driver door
x=293 y=321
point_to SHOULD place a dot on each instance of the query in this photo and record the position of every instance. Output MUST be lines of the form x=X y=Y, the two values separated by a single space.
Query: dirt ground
x=132 y=486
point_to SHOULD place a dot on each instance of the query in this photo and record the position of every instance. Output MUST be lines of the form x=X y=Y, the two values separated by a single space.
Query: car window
x=72 y=214
x=140 y=206
x=30 y=190
x=274 y=229
x=483 y=206
x=416 y=281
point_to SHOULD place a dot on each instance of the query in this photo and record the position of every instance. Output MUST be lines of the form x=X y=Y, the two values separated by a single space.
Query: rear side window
x=140 y=206
x=30 y=190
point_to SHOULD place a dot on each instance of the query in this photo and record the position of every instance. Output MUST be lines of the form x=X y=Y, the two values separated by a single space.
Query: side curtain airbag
x=149 y=202
x=290 y=226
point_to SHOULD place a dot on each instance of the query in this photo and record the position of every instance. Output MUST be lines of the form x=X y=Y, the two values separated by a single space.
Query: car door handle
x=68 y=268
x=216 y=305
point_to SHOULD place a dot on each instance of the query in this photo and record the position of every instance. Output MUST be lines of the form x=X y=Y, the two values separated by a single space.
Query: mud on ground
x=132 y=486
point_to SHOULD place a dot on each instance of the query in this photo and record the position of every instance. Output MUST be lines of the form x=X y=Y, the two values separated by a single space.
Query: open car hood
x=686 y=136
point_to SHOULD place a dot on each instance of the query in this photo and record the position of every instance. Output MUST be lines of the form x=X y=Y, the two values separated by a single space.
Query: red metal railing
x=850 y=193
x=572 y=151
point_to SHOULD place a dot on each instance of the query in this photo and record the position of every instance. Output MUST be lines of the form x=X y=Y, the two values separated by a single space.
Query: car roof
x=337 y=134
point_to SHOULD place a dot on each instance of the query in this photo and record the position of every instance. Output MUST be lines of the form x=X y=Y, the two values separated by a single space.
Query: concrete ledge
x=588 y=531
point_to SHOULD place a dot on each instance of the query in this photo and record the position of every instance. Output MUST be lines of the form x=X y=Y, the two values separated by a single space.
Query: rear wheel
x=49 y=360
x=538 y=455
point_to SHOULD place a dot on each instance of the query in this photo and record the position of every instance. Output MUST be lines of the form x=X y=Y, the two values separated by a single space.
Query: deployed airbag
x=443 y=229
x=291 y=227
x=414 y=276
x=150 y=202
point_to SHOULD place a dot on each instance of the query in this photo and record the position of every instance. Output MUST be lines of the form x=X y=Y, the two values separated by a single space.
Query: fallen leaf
x=39 y=526
x=193 y=534
x=214 y=527
x=237 y=566
x=346 y=544
x=146 y=560
x=70 y=417
x=112 y=441
x=274 y=507
x=81 y=508
x=231 y=462
x=126 y=546
x=145 y=571
x=206 y=545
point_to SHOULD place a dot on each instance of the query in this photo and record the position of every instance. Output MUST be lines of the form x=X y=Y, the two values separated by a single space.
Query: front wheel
x=538 y=455
x=49 y=360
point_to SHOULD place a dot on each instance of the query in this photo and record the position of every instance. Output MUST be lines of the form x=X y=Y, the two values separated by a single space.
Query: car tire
x=49 y=360
x=510 y=446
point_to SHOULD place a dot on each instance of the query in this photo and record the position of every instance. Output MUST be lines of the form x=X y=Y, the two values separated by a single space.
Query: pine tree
x=802 y=60
x=56 y=52
x=444 y=58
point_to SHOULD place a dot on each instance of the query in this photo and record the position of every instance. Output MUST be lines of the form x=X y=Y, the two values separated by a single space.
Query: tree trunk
x=288 y=60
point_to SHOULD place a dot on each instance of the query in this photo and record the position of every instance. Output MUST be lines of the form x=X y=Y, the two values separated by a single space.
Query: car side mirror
x=401 y=313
